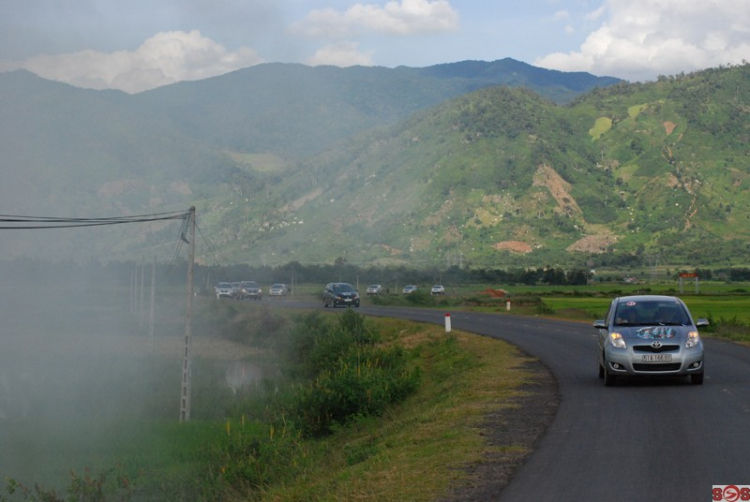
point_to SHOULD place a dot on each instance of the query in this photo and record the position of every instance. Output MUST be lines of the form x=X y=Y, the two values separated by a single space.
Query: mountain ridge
x=496 y=175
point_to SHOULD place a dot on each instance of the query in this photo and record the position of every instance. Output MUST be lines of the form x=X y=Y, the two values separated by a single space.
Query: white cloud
x=404 y=17
x=165 y=58
x=641 y=39
x=341 y=54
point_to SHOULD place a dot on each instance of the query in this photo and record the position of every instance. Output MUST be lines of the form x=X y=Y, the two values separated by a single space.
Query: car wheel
x=609 y=378
x=697 y=378
x=601 y=371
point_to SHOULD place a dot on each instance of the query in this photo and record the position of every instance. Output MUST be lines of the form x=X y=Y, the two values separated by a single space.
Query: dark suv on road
x=338 y=294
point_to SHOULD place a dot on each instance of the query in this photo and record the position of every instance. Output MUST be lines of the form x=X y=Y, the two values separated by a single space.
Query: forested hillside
x=397 y=171
x=502 y=176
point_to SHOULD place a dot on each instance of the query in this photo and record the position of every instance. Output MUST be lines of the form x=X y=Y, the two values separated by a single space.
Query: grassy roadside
x=418 y=450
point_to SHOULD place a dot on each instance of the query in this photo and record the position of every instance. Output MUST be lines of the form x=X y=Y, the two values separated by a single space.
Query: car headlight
x=693 y=339
x=617 y=340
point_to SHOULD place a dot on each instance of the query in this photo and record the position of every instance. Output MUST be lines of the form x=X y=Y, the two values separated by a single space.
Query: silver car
x=278 y=290
x=223 y=290
x=649 y=335
x=374 y=289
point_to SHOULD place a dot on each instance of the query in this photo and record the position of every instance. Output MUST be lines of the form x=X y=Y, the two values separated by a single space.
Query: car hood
x=655 y=332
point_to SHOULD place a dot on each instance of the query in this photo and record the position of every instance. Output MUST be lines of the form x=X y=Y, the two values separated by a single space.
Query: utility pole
x=141 y=292
x=151 y=312
x=185 y=391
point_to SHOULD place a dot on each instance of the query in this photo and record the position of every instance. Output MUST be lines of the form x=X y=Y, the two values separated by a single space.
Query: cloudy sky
x=136 y=45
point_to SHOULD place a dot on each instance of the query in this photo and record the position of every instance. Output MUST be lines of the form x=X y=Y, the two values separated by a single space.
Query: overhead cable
x=14 y=222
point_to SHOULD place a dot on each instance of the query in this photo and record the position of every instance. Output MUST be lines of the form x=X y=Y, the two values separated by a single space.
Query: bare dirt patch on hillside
x=296 y=204
x=513 y=246
x=594 y=243
x=547 y=177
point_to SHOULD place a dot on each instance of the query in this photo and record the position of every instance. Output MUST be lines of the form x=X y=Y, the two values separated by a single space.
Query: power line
x=15 y=222
x=208 y=243
x=180 y=240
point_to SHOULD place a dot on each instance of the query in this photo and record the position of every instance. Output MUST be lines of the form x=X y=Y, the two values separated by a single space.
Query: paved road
x=652 y=440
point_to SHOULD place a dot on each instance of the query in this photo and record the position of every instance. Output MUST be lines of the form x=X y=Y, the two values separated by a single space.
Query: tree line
x=33 y=272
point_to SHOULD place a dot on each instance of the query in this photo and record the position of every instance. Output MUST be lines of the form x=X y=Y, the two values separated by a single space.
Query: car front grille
x=657 y=367
x=652 y=349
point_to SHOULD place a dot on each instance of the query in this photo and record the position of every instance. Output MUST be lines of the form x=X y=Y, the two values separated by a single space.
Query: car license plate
x=657 y=358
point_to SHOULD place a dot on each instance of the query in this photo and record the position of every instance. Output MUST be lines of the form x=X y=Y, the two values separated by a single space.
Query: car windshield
x=250 y=284
x=277 y=286
x=342 y=288
x=633 y=313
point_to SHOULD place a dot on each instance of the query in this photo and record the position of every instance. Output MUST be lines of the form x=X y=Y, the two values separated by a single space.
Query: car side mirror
x=600 y=324
x=701 y=323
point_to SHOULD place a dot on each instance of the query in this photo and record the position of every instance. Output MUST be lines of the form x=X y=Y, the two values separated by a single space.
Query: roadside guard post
x=447 y=323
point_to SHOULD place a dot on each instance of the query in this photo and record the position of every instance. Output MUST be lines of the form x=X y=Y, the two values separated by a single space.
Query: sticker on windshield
x=630 y=304
x=656 y=332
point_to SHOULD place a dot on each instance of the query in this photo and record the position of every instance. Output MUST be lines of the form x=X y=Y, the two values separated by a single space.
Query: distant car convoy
x=244 y=290
x=335 y=294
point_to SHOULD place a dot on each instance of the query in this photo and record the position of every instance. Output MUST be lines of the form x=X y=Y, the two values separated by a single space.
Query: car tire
x=697 y=378
x=601 y=371
x=609 y=378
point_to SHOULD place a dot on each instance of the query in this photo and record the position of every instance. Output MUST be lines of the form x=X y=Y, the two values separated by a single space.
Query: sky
x=136 y=45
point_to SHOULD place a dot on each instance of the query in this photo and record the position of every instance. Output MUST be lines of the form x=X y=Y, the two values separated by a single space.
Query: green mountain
x=421 y=167
x=295 y=111
x=501 y=177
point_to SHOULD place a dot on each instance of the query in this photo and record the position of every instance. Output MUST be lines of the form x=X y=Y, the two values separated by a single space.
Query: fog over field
x=72 y=366
x=81 y=378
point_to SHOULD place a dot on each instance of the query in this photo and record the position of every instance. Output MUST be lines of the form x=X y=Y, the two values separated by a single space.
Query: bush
x=364 y=382
x=348 y=376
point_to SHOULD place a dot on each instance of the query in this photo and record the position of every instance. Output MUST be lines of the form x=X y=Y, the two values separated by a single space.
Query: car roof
x=648 y=298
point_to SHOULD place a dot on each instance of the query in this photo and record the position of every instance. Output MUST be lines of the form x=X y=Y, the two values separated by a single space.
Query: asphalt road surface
x=644 y=440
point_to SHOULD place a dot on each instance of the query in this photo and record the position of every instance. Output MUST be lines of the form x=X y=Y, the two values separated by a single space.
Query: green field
x=715 y=307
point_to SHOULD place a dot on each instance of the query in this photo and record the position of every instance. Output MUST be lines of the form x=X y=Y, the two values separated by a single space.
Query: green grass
x=418 y=450
x=414 y=452
x=115 y=429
